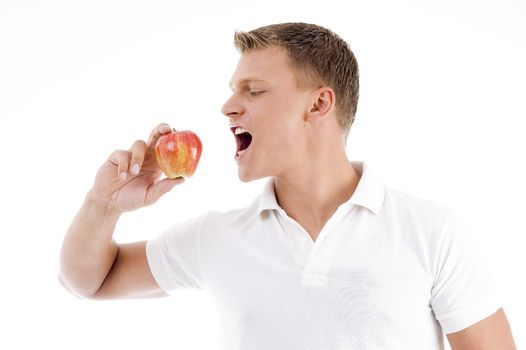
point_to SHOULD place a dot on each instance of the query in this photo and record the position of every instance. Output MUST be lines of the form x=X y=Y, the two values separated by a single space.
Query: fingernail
x=135 y=169
x=122 y=175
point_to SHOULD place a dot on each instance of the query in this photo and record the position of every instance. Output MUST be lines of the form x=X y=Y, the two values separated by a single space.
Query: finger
x=122 y=160
x=113 y=158
x=137 y=156
x=162 y=187
x=160 y=130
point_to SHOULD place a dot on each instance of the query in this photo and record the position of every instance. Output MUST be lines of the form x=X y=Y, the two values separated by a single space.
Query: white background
x=441 y=115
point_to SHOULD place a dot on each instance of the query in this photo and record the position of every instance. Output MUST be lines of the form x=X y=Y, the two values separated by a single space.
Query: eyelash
x=255 y=93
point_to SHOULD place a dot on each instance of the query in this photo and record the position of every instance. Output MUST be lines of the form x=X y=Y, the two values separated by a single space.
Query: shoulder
x=437 y=233
x=415 y=215
x=410 y=202
x=238 y=218
x=410 y=206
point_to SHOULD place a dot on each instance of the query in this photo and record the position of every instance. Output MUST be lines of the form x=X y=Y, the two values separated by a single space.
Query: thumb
x=158 y=189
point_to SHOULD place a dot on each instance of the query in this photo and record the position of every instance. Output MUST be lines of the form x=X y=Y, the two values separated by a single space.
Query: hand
x=130 y=180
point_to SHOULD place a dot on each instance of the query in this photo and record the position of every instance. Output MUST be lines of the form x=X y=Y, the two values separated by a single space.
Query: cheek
x=280 y=123
x=286 y=114
x=286 y=106
x=279 y=140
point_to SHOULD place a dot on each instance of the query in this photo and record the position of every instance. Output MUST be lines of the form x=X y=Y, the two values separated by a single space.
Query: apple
x=178 y=153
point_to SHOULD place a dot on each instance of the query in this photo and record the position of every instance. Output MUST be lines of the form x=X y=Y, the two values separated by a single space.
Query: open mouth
x=243 y=139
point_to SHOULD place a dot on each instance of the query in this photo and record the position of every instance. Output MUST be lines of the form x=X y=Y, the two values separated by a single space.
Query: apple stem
x=173 y=129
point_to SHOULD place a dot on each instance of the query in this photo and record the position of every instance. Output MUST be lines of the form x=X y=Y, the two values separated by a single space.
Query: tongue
x=245 y=140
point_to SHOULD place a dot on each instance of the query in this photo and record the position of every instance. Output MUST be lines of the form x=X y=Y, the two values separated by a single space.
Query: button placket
x=319 y=261
x=298 y=256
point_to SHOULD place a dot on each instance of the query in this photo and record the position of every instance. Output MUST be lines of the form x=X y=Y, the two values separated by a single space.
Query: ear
x=324 y=103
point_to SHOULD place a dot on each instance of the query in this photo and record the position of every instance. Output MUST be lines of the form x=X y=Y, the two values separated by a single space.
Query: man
x=326 y=257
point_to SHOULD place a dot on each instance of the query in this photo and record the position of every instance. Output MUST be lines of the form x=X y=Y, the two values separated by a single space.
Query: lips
x=243 y=138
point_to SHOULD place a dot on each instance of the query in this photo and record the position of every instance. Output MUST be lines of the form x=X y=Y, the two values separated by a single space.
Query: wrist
x=101 y=206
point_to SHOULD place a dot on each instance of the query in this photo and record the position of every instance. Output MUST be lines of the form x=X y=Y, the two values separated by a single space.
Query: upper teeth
x=239 y=130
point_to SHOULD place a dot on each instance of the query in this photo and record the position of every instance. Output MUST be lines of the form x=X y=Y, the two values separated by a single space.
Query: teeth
x=239 y=130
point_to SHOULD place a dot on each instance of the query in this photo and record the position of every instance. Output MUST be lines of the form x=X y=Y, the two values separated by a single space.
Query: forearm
x=88 y=249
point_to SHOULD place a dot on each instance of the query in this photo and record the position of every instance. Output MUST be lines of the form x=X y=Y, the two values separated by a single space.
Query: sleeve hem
x=458 y=321
x=155 y=265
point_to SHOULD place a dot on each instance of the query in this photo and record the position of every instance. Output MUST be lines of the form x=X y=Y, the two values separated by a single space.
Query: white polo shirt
x=387 y=271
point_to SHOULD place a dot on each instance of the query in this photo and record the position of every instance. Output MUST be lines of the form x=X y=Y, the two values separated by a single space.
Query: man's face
x=267 y=103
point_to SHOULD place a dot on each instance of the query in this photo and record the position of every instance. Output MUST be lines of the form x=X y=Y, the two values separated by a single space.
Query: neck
x=311 y=193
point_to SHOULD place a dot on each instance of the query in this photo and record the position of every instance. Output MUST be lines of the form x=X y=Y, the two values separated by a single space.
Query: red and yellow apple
x=178 y=153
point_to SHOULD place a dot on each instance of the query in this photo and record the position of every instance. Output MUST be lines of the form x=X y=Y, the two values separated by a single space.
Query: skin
x=92 y=264
x=296 y=139
x=491 y=333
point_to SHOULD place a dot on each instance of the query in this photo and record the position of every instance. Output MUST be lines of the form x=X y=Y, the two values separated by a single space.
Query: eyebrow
x=246 y=81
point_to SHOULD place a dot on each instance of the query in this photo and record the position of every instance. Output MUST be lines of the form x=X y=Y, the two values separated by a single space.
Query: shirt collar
x=369 y=193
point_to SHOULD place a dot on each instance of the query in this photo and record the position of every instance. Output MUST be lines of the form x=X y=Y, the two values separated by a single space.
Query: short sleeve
x=173 y=256
x=463 y=292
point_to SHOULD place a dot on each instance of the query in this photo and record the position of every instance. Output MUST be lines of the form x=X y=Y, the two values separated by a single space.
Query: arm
x=491 y=333
x=130 y=275
x=92 y=264
x=88 y=250
x=98 y=268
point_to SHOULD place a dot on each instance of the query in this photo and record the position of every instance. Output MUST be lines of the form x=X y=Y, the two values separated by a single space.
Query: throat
x=312 y=203
x=312 y=226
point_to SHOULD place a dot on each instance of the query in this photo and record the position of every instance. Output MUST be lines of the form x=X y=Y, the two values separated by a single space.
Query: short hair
x=317 y=56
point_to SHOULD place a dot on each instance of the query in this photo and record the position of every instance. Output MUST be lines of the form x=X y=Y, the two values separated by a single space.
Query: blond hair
x=317 y=56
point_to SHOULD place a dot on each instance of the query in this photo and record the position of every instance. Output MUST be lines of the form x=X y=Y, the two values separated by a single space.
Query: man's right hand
x=92 y=264
x=129 y=180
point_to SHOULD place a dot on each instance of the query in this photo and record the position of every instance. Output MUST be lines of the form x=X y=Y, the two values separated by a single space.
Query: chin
x=245 y=176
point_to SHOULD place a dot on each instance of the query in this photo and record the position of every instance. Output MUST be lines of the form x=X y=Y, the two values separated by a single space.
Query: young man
x=326 y=257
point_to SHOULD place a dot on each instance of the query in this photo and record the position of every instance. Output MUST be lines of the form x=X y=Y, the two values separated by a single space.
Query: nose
x=232 y=108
